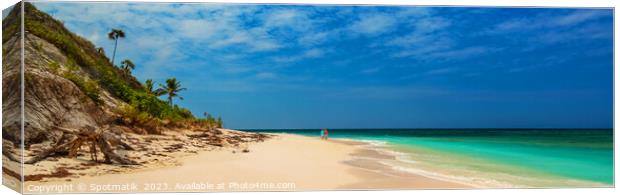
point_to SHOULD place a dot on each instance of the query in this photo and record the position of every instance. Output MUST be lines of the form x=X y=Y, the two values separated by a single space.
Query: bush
x=210 y=121
x=133 y=117
x=89 y=87
x=54 y=67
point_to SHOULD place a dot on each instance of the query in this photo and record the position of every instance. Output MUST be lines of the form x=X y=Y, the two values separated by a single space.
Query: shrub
x=89 y=87
x=54 y=67
x=134 y=117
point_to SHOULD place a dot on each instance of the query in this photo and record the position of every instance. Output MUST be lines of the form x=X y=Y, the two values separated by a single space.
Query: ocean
x=492 y=157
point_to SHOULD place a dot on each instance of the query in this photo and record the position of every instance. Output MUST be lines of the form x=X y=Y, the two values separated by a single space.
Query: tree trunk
x=114 y=53
x=48 y=152
x=109 y=154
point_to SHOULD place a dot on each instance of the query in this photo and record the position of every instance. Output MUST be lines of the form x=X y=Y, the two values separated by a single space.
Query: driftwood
x=89 y=136
x=58 y=147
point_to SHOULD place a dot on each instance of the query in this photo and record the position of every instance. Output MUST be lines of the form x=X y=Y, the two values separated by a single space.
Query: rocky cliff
x=63 y=78
x=79 y=107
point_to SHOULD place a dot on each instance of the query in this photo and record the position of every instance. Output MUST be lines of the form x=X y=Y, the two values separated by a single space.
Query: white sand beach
x=282 y=163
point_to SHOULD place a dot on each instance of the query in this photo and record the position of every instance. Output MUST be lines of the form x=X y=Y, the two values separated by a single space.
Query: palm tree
x=128 y=65
x=148 y=86
x=172 y=88
x=115 y=34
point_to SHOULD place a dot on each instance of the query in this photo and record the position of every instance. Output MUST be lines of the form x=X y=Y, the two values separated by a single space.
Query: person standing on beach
x=322 y=134
x=326 y=133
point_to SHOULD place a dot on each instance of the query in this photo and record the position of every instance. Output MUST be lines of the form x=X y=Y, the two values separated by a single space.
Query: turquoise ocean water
x=493 y=157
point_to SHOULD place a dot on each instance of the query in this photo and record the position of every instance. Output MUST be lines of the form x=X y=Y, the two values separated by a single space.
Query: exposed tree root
x=89 y=136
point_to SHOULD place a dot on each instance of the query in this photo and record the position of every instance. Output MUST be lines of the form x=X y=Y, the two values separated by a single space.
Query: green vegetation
x=219 y=122
x=115 y=34
x=90 y=70
x=82 y=53
x=128 y=65
x=89 y=87
x=213 y=121
x=54 y=67
x=148 y=86
x=172 y=89
x=38 y=46
x=13 y=20
x=133 y=117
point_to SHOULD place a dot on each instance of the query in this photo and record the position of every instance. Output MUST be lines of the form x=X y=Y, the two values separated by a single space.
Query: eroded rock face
x=49 y=98
x=11 y=92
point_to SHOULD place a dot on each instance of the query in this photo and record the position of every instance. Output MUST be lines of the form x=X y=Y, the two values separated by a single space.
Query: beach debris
x=173 y=147
x=71 y=141
x=209 y=137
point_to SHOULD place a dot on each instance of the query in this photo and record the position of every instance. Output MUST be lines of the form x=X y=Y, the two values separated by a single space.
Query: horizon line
x=442 y=128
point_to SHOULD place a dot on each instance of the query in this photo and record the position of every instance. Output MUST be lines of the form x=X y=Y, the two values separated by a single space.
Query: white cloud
x=311 y=53
x=413 y=12
x=429 y=36
x=414 y=47
x=311 y=39
x=164 y=39
x=288 y=18
x=374 y=24
x=431 y=24
x=265 y=45
x=512 y=25
x=231 y=39
x=226 y=28
x=199 y=29
x=545 y=22
x=577 y=17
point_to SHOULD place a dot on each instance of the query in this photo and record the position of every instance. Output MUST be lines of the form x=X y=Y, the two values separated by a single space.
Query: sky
x=305 y=66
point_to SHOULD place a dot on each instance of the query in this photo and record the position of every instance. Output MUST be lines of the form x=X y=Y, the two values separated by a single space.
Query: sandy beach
x=108 y=106
x=282 y=163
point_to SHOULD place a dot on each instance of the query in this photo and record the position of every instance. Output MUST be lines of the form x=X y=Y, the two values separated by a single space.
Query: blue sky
x=283 y=66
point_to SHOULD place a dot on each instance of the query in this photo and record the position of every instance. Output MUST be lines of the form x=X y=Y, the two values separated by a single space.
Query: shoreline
x=397 y=161
x=376 y=175
x=284 y=162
